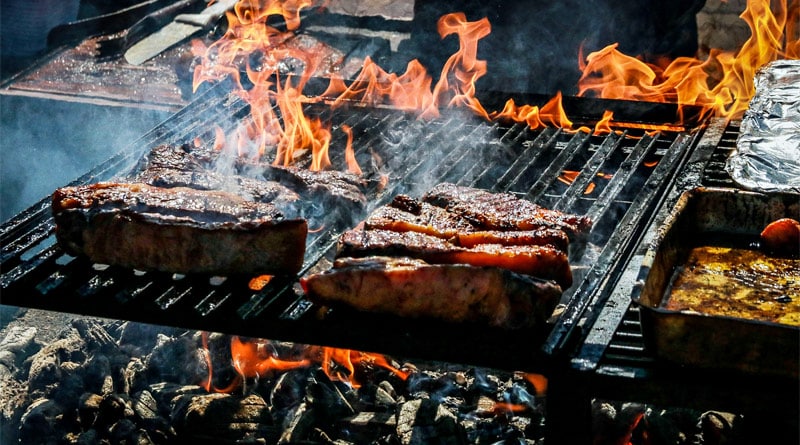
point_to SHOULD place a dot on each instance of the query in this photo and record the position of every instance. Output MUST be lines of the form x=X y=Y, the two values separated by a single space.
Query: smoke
x=534 y=47
x=46 y=144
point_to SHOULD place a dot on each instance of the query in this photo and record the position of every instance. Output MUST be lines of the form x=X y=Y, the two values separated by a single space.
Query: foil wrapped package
x=767 y=155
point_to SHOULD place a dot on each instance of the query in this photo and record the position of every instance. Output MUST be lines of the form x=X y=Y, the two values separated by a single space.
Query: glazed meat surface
x=503 y=211
x=455 y=293
x=177 y=230
x=545 y=262
x=406 y=214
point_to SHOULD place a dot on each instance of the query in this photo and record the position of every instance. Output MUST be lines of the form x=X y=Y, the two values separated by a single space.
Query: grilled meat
x=453 y=293
x=345 y=189
x=249 y=189
x=406 y=214
x=546 y=262
x=177 y=230
x=503 y=211
x=539 y=237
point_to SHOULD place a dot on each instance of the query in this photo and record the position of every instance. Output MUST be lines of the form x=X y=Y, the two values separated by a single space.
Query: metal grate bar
x=558 y=165
x=589 y=172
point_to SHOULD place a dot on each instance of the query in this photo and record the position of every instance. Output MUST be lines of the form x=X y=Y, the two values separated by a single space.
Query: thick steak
x=504 y=211
x=546 y=262
x=455 y=293
x=177 y=230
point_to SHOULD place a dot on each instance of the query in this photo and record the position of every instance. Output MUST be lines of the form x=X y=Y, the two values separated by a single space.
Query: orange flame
x=463 y=68
x=722 y=84
x=349 y=154
x=552 y=113
x=259 y=282
x=257 y=358
x=291 y=134
x=538 y=381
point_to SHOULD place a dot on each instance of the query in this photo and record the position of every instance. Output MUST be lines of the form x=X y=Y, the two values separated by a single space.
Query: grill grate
x=627 y=171
x=611 y=361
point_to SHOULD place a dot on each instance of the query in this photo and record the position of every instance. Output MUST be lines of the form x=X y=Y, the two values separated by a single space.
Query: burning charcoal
x=19 y=340
x=325 y=395
x=124 y=431
x=365 y=427
x=298 y=424
x=176 y=360
x=134 y=376
x=716 y=427
x=139 y=339
x=95 y=335
x=615 y=423
x=145 y=406
x=88 y=409
x=375 y=397
x=89 y=437
x=97 y=375
x=45 y=369
x=113 y=408
x=288 y=392
x=42 y=423
x=424 y=421
x=223 y=418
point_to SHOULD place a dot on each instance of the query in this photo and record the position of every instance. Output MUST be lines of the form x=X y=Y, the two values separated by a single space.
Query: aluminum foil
x=767 y=155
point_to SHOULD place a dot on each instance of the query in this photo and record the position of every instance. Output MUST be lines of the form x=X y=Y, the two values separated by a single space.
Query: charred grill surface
x=625 y=173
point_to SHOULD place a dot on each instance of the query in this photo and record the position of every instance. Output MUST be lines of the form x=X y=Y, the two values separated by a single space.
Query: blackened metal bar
x=551 y=173
x=604 y=271
x=544 y=141
x=621 y=177
x=589 y=171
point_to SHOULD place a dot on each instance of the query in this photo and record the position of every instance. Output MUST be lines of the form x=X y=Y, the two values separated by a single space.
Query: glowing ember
x=259 y=282
x=722 y=85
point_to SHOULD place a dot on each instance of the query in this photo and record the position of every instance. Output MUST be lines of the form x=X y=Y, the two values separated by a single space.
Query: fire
x=552 y=113
x=277 y=122
x=258 y=358
x=721 y=85
x=278 y=128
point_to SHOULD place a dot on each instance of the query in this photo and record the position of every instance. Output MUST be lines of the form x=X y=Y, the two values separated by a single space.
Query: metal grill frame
x=279 y=312
x=611 y=361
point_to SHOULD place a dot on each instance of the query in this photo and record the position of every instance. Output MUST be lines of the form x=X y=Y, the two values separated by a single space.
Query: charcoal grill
x=595 y=337
x=36 y=272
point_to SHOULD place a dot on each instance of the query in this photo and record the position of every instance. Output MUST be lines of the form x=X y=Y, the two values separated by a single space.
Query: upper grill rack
x=626 y=172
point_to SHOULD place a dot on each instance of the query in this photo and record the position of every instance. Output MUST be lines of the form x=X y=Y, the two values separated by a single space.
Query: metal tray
x=708 y=215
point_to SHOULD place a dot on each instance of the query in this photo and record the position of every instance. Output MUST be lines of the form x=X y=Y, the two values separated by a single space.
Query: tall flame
x=290 y=131
x=721 y=85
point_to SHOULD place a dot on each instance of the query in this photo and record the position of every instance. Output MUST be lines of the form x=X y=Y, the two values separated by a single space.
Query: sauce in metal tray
x=737 y=282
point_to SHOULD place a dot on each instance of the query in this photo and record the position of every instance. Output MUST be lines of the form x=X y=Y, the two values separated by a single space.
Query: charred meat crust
x=249 y=189
x=546 y=262
x=504 y=211
x=405 y=214
x=454 y=293
x=177 y=230
x=181 y=166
